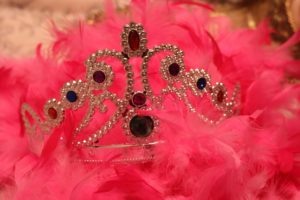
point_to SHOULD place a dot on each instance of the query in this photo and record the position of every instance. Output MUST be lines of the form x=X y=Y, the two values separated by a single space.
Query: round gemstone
x=220 y=96
x=201 y=83
x=139 y=99
x=99 y=76
x=141 y=126
x=71 y=96
x=134 y=40
x=174 y=69
x=52 y=112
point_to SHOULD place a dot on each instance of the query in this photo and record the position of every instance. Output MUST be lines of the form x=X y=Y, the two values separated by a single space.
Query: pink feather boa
x=252 y=155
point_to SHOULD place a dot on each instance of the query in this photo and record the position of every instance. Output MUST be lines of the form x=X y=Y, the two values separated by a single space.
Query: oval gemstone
x=220 y=96
x=174 y=69
x=52 y=113
x=139 y=99
x=99 y=76
x=71 y=96
x=141 y=126
x=201 y=83
x=134 y=40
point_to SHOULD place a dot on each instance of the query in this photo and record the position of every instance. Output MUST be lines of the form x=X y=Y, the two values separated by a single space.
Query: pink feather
x=252 y=155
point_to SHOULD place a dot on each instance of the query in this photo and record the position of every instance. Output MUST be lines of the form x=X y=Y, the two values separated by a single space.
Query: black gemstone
x=141 y=126
x=99 y=76
x=201 y=83
x=71 y=96
x=174 y=69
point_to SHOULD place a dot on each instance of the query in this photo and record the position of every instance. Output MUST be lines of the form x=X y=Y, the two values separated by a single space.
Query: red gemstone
x=220 y=96
x=52 y=113
x=139 y=99
x=134 y=40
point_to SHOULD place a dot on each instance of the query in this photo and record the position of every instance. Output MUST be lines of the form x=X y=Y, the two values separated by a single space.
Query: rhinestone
x=139 y=99
x=134 y=40
x=141 y=126
x=52 y=113
x=174 y=69
x=99 y=76
x=71 y=96
x=220 y=96
x=201 y=83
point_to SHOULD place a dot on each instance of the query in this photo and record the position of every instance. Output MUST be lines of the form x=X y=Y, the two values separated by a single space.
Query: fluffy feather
x=252 y=155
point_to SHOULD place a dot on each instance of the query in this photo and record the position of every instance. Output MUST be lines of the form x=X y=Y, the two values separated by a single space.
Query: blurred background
x=25 y=23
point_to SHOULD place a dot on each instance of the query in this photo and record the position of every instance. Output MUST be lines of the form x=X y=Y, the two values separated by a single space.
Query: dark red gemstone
x=141 y=126
x=139 y=99
x=220 y=96
x=52 y=113
x=99 y=76
x=174 y=69
x=134 y=40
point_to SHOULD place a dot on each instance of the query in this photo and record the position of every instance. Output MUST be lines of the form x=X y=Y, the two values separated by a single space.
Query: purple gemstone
x=174 y=69
x=99 y=76
x=139 y=99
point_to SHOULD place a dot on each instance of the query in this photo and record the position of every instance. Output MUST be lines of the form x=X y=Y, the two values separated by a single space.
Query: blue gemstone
x=201 y=83
x=71 y=96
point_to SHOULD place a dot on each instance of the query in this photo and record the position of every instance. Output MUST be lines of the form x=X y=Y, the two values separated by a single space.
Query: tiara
x=133 y=108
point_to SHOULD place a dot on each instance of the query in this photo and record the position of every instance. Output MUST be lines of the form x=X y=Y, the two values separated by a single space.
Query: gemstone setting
x=198 y=81
x=54 y=112
x=134 y=41
x=138 y=99
x=71 y=96
x=141 y=126
x=99 y=76
x=174 y=69
x=219 y=95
